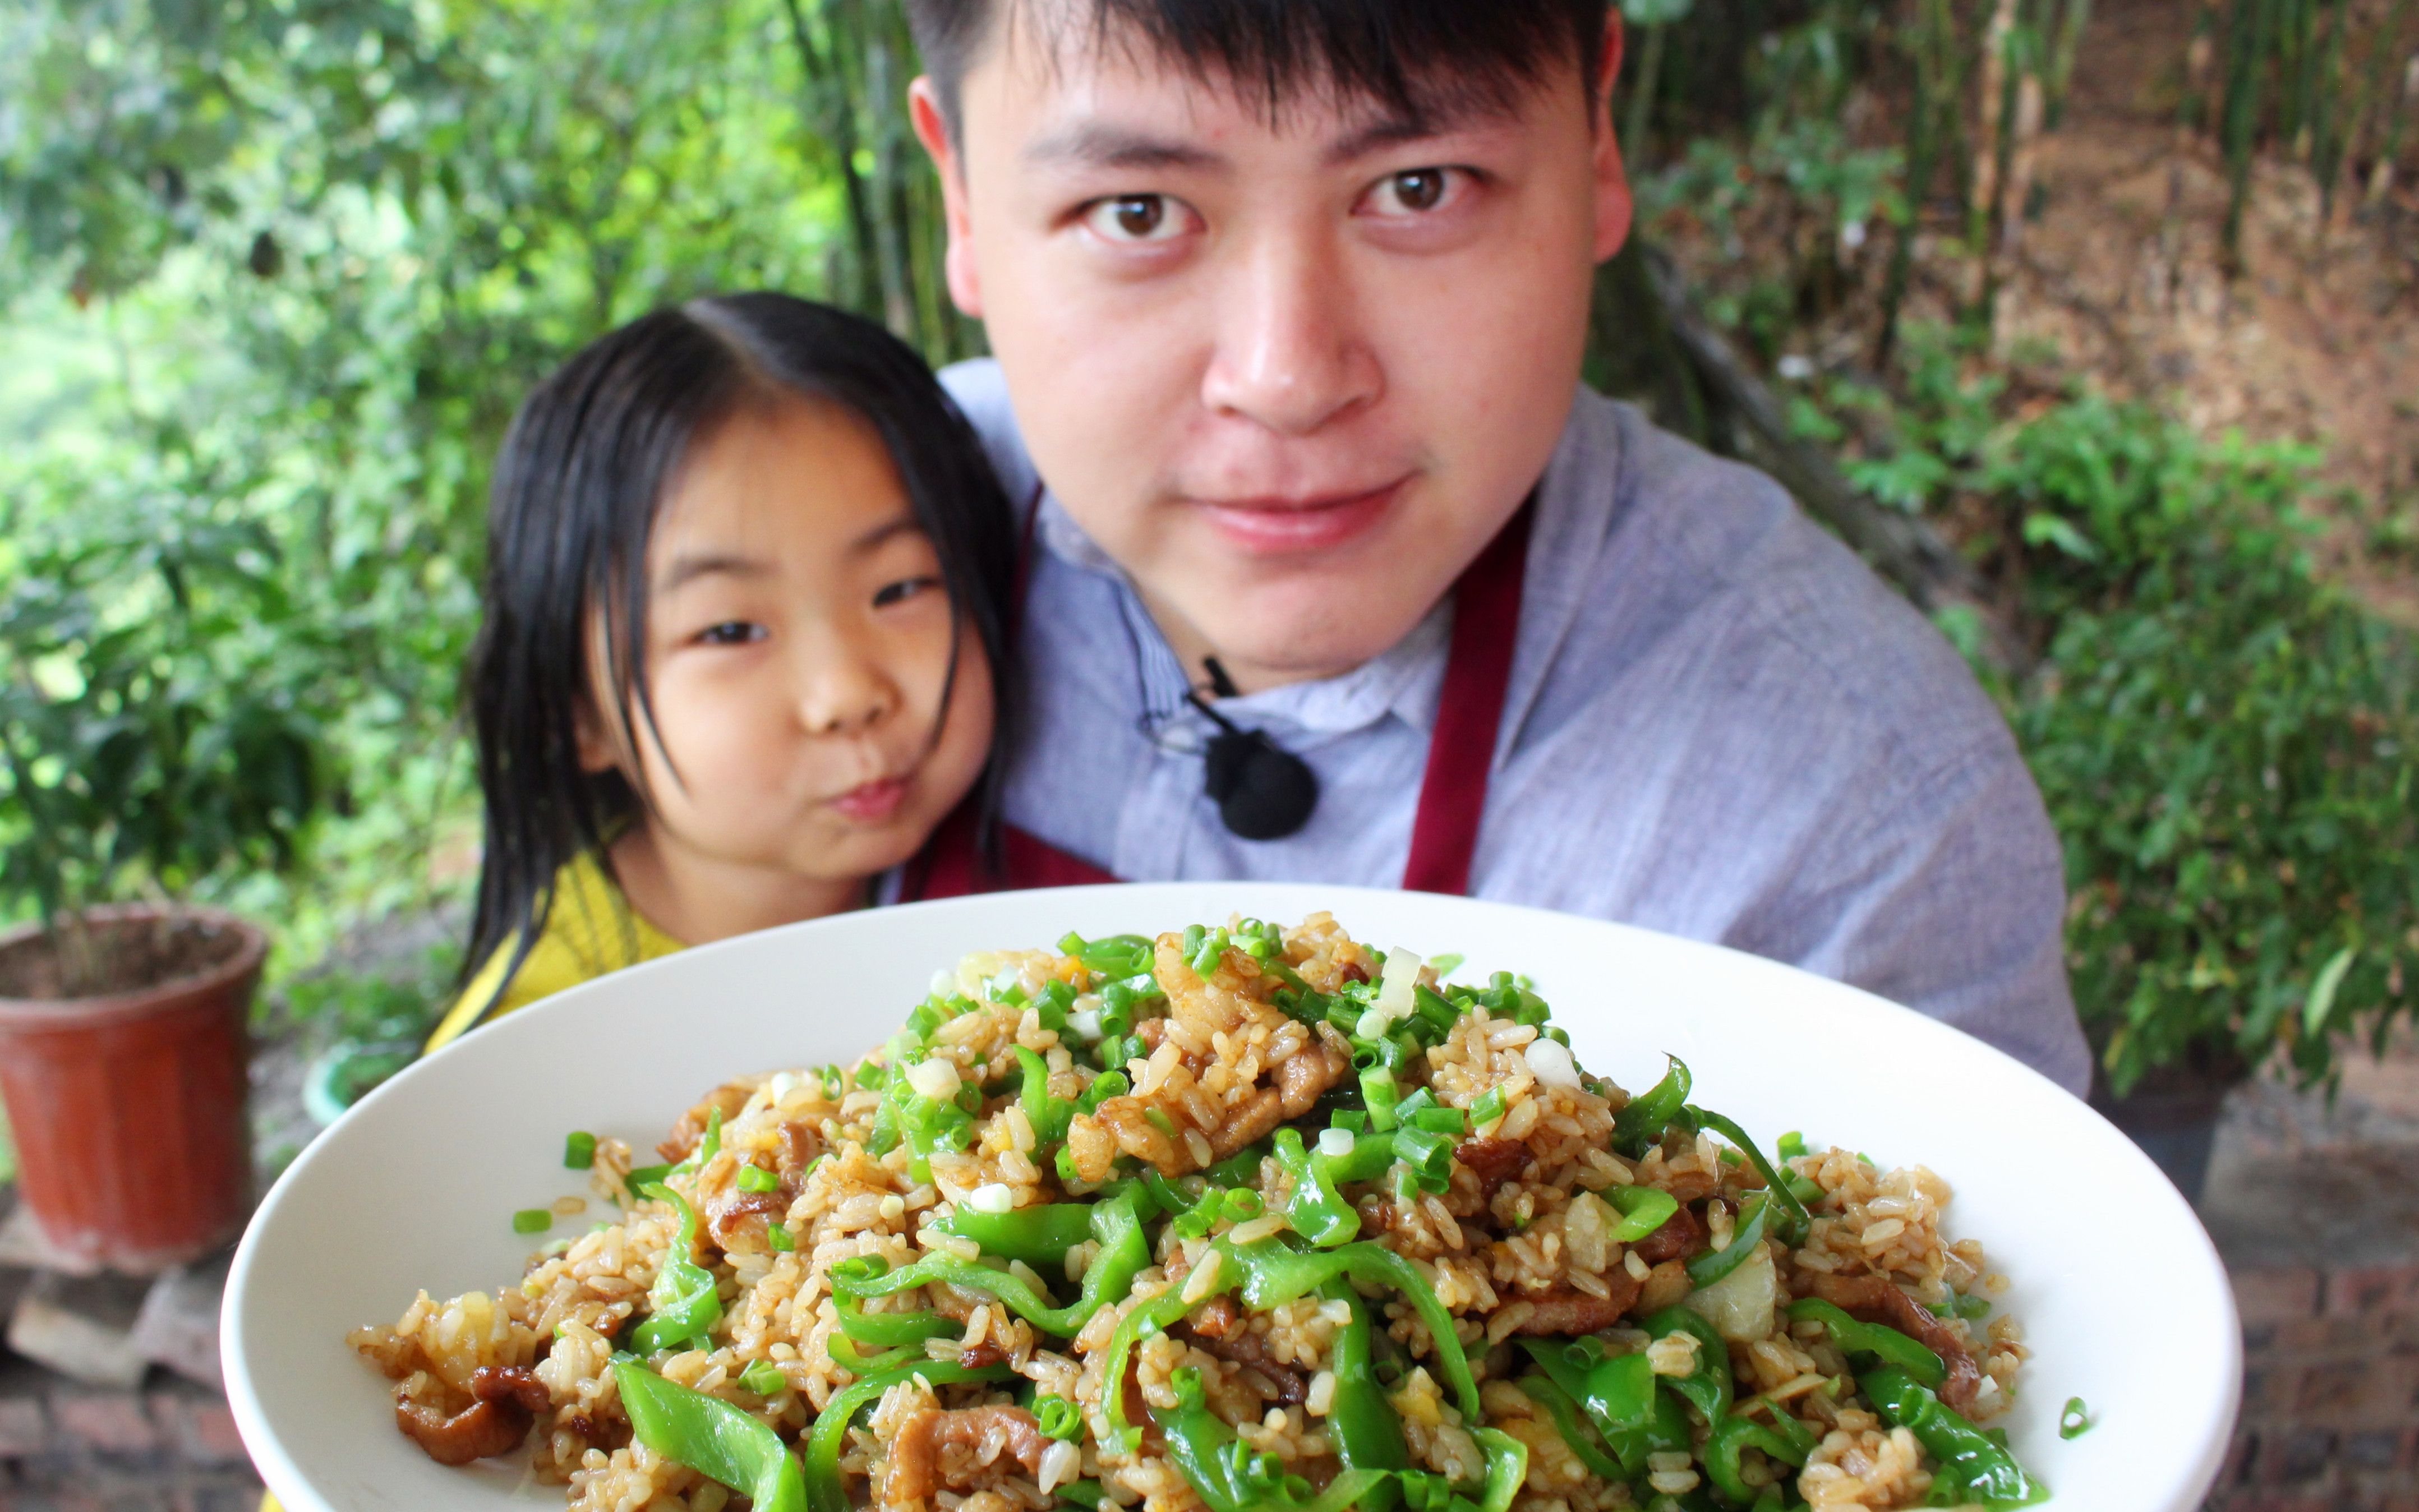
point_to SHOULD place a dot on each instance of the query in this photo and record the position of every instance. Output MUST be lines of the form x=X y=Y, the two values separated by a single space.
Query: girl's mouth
x=874 y=802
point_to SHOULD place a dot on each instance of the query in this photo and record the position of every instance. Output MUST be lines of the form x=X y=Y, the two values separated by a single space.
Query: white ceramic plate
x=2123 y=1298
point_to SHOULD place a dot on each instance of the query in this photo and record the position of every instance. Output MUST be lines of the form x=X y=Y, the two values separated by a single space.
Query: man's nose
x=1290 y=354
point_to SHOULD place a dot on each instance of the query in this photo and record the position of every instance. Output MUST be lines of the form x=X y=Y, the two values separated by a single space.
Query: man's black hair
x=1410 y=55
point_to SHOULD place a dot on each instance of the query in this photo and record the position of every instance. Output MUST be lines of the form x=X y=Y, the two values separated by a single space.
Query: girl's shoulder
x=591 y=931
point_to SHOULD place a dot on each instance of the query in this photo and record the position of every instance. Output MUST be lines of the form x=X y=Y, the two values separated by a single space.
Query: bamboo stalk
x=1641 y=119
x=1994 y=105
x=2072 y=24
x=2247 y=44
x=2381 y=178
x=832 y=116
x=1930 y=46
x=2032 y=112
x=2327 y=118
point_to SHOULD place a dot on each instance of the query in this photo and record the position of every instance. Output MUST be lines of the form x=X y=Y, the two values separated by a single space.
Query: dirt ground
x=2116 y=278
x=2319 y=341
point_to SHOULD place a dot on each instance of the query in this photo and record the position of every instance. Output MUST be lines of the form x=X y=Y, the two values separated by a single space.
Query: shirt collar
x=1405 y=681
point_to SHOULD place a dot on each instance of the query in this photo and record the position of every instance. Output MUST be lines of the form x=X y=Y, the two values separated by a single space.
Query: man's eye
x=1415 y=191
x=905 y=589
x=1137 y=218
x=732 y=633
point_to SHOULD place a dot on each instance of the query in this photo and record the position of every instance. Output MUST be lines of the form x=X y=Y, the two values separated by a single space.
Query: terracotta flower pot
x=134 y=1148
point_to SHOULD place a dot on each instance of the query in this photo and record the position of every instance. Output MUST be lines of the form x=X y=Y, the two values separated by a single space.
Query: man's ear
x=933 y=130
x=1614 y=208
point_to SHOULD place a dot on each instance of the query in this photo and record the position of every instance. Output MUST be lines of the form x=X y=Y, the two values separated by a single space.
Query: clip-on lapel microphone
x=1263 y=791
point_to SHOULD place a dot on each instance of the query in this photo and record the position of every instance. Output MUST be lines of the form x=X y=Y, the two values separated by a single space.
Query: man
x=1339 y=573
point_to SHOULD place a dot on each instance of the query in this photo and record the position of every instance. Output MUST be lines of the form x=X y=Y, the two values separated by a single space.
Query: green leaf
x=2320 y=1004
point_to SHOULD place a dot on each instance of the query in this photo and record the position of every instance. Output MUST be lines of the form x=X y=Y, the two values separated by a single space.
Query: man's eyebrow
x=1456 y=111
x=688 y=568
x=1100 y=144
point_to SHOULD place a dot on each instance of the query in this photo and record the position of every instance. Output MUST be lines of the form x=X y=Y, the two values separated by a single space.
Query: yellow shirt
x=591 y=931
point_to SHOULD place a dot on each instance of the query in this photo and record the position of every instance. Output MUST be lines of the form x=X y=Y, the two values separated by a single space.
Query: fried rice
x=1235 y=1217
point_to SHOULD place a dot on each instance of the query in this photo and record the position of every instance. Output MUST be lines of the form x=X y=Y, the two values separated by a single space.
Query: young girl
x=746 y=588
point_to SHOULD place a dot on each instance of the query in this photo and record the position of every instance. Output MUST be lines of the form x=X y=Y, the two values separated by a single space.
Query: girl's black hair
x=581 y=477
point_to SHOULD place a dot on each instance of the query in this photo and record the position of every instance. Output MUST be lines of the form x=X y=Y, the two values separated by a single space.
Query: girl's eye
x=905 y=589
x=1138 y=219
x=1415 y=191
x=732 y=633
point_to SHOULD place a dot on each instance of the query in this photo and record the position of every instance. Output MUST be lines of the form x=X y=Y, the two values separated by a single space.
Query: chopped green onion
x=754 y=1177
x=2075 y=1419
x=1791 y=1145
x=1159 y=1120
x=764 y=1379
x=1351 y=1120
x=645 y=1176
x=579 y=1151
x=779 y=1237
x=1446 y=964
x=1058 y=1418
x=533 y=1221
x=1488 y=1107
x=1377 y=1092
x=1441 y=1120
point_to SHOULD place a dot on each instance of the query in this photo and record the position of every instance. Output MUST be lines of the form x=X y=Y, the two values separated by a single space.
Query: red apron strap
x=951 y=863
x=1470 y=712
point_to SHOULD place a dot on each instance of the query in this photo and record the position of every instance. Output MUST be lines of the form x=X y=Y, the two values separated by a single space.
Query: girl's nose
x=844 y=692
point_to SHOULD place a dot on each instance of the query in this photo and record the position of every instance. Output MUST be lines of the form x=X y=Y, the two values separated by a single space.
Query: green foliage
x=288 y=267
x=2226 y=741
x=159 y=706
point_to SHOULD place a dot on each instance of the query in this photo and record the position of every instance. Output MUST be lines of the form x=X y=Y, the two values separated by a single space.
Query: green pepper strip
x=825 y=1491
x=1582 y=1437
x=1979 y=1468
x=1854 y=1338
x=1050 y=1115
x=1707 y=1388
x=1784 y=1438
x=1795 y=1219
x=685 y=1302
x=1229 y=1478
x=711 y=1437
x=1619 y=1394
x=844 y=1352
x=1746 y=1237
x=1643 y=1208
x=1367 y=1434
x=1507 y=1466
x=1039 y=1235
x=1643 y=1123
x=1123 y=1254
x=1270 y=1274
x=1317 y=1210
x=1111 y=955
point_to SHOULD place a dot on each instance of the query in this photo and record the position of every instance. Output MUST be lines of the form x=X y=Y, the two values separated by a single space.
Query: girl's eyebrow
x=688 y=568
x=896 y=526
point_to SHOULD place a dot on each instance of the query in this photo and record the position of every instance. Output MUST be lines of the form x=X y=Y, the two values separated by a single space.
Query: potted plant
x=2229 y=746
x=154 y=741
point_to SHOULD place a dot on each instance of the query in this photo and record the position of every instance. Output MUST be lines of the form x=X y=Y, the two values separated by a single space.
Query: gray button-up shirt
x=1719 y=725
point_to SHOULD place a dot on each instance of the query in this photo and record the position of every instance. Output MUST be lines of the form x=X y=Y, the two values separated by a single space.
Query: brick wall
x=2330 y=1392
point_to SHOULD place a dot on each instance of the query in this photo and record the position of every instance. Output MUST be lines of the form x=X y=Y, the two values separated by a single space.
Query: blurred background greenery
x=276 y=273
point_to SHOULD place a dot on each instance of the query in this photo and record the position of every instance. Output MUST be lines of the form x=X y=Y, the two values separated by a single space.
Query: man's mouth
x=1279 y=526
x=871 y=803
